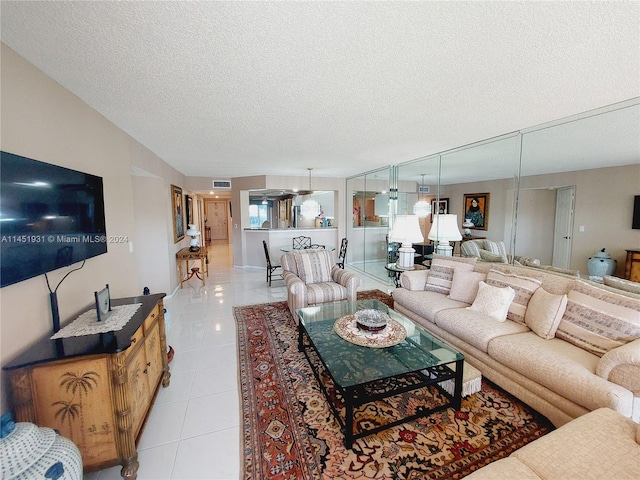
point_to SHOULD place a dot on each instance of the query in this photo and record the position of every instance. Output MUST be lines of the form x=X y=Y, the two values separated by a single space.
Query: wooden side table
x=632 y=266
x=185 y=255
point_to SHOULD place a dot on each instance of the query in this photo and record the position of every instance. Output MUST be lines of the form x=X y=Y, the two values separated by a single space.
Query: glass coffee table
x=354 y=377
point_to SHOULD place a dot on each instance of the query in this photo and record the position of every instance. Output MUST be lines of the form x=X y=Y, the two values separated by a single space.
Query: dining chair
x=301 y=242
x=316 y=246
x=342 y=255
x=271 y=268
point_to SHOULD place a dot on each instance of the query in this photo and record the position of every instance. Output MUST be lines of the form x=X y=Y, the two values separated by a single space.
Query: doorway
x=563 y=232
x=217 y=212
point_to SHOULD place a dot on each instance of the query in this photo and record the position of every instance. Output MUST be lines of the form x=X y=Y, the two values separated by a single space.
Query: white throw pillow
x=493 y=301
x=544 y=312
x=464 y=286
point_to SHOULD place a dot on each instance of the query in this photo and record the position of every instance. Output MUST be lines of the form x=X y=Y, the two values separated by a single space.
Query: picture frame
x=476 y=208
x=189 y=209
x=441 y=206
x=103 y=304
x=177 y=208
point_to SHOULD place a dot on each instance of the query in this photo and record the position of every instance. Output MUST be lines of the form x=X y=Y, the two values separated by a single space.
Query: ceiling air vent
x=423 y=189
x=222 y=184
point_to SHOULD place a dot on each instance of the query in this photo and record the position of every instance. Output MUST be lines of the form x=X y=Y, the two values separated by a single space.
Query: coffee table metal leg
x=457 y=391
x=348 y=418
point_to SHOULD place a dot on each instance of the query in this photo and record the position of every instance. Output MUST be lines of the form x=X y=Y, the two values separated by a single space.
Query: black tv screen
x=50 y=217
x=636 y=213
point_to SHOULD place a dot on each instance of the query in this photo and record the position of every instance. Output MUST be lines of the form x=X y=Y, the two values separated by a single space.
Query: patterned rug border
x=278 y=443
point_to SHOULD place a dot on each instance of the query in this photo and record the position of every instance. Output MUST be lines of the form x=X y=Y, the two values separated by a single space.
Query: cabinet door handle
x=134 y=340
x=148 y=364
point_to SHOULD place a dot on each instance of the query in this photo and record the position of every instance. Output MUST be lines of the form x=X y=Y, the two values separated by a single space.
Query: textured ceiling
x=226 y=89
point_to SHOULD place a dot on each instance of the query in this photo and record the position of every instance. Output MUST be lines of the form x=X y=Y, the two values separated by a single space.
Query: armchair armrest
x=622 y=366
x=348 y=280
x=414 y=279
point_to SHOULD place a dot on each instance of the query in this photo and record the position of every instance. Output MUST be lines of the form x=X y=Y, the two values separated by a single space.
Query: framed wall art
x=476 y=209
x=177 y=207
x=438 y=207
x=189 y=201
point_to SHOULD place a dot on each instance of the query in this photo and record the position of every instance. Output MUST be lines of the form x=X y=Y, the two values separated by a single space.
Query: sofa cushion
x=441 y=272
x=325 y=292
x=493 y=301
x=475 y=328
x=425 y=304
x=524 y=287
x=488 y=256
x=563 y=368
x=621 y=284
x=544 y=312
x=598 y=320
x=464 y=285
x=314 y=266
x=597 y=445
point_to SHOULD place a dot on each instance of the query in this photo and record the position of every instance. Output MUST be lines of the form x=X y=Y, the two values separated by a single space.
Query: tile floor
x=193 y=431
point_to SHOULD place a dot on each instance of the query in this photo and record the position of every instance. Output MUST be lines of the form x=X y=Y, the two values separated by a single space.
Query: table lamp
x=194 y=233
x=445 y=230
x=406 y=230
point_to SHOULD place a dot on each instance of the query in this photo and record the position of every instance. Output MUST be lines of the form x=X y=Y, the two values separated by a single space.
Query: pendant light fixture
x=310 y=208
x=422 y=208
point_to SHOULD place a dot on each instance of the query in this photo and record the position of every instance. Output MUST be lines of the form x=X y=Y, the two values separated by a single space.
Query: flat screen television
x=50 y=217
x=635 y=224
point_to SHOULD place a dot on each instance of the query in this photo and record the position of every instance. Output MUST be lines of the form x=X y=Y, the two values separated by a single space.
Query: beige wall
x=42 y=120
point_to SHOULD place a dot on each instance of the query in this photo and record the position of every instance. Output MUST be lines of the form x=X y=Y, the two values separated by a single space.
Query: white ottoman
x=471 y=381
x=471 y=377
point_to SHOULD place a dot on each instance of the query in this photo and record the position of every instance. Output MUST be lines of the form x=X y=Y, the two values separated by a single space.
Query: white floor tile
x=193 y=430
x=211 y=413
x=215 y=456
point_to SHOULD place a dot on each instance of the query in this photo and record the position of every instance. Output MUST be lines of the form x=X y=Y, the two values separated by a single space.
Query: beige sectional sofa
x=601 y=444
x=562 y=345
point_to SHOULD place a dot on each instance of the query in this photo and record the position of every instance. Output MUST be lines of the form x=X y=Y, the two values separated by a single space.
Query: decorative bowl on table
x=371 y=320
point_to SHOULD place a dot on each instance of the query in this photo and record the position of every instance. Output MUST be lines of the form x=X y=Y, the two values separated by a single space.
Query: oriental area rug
x=289 y=431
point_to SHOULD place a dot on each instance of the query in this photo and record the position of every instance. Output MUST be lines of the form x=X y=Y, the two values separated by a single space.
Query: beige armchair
x=312 y=277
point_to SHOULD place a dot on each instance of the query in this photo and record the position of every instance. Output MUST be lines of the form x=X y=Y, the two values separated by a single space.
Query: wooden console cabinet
x=632 y=266
x=97 y=390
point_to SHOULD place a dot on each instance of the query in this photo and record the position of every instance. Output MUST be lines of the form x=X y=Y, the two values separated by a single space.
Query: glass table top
x=351 y=365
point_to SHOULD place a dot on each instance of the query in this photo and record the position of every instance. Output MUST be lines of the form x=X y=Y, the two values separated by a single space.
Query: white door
x=562 y=239
x=217 y=219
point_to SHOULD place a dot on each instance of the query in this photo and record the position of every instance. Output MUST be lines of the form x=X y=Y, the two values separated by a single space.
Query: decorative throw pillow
x=598 y=320
x=493 y=301
x=524 y=288
x=488 y=256
x=441 y=272
x=464 y=285
x=314 y=266
x=544 y=312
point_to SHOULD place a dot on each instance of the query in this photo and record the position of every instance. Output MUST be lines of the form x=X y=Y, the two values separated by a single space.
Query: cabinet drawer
x=136 y=340
x=148 y=323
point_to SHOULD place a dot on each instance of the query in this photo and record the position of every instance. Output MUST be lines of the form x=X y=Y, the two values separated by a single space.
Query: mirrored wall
x=557 y=192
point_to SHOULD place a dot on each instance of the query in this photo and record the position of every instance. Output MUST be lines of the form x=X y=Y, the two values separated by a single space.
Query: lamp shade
x=445 y=228
x=406 y=229
x=192 y=231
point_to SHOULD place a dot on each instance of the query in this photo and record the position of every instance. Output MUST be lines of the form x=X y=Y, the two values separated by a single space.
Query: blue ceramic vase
x=28 y=452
